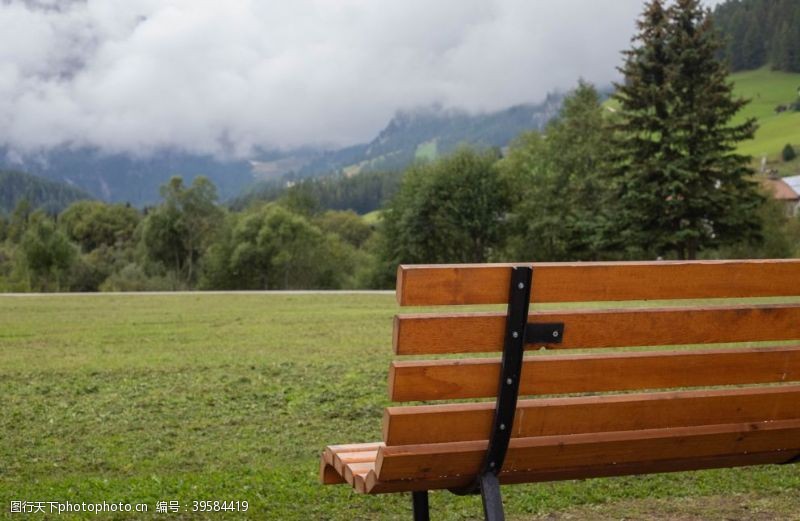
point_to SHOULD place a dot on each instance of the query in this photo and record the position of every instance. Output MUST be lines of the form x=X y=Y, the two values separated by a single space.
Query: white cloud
x=210 y=76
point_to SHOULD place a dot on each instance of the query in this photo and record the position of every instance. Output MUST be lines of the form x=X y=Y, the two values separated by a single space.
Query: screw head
x=491 y=464
x=509 y=381
x=555 y=334
x=520 y=285
x=502 y=426
x=514 y=334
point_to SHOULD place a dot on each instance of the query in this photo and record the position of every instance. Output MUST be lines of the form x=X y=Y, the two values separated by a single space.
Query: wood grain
x=335 y=458
x=561 y=374
x=577 y=450
x=579 y=415
x=374 y=486
x=416 y=334
x=423 y=285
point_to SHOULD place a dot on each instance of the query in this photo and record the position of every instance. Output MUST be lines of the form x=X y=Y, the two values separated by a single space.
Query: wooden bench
x=601 y=412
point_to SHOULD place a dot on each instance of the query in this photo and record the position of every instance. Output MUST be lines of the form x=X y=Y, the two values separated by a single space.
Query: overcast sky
x=211 y=76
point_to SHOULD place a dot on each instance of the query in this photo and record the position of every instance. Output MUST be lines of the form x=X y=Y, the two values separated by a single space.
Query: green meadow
x=767 y=89
x=231 y=397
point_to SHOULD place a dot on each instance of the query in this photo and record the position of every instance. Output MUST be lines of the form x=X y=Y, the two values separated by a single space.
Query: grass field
x=767 y=89
x=142 y=399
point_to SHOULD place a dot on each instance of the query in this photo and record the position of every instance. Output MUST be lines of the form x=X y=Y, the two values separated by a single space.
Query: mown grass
x=231 y=397
x=767 y=89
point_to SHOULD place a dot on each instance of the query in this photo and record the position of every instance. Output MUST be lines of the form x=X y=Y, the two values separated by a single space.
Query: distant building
x=787 y=191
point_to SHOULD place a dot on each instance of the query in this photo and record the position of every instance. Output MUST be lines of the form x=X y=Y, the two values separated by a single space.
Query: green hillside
x=50 y=196
x=767 y=89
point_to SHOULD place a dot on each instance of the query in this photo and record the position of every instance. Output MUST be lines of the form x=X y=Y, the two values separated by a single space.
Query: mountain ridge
x=412 y=134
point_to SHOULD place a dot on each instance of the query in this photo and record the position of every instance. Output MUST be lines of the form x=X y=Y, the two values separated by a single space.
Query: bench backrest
x=638 y=415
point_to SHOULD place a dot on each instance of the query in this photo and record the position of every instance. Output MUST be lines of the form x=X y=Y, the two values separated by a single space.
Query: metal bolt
x=491 y=464
x=555 y=334
x=502 y=426
x=520 y=285
x=514 y=334
x=509 y=381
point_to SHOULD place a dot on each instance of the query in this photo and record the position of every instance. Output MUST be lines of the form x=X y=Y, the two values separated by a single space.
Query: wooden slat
x=342 y=459
x=560 y=452
x=352 y=447
x=374 y=486
x=360 y=478
x=351 y=470
x=579 y=415
x=336 y=457
x=423 y=285
x=561 y=374
x=328 y=474
x=416 y=334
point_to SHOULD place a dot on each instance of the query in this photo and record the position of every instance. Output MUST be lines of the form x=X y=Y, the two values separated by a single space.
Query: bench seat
x=553 y=458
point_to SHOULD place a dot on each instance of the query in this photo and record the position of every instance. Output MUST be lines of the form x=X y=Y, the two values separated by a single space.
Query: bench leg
x=492 y=501
x=420 y=502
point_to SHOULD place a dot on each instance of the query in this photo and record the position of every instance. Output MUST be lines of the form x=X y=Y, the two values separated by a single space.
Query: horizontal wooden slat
x=351 y=470
x=578 y=415
x=422 y=285
x=342 y=459
x=328 y=474
x=560 y=452
x=373 y=486
x=416 y=334
x=561 y=374
x=335 y=458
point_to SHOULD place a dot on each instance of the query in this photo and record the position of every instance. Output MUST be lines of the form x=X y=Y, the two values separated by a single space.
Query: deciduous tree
x=177 y=232
x=450 y=210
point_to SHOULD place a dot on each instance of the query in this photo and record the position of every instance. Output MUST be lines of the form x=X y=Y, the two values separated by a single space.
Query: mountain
x=360 y=177
x=411 y=134
x=41 y=193
x=125 y=178
x=425 y=133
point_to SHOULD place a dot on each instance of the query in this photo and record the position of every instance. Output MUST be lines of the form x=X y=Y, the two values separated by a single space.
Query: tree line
x=760 y=32
x=652 y=173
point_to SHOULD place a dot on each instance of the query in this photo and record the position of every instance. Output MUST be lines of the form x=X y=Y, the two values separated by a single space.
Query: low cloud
x=228 y=77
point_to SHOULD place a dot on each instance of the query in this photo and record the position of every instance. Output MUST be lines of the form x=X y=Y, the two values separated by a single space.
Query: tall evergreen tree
x=682 y=188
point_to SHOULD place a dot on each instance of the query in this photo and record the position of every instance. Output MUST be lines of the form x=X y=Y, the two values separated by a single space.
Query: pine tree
x=753 y=52
x=682 y=188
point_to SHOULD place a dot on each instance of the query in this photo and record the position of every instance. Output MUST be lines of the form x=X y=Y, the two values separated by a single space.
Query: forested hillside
x=760 y=32
x=50 y=196
x=362 y=193
x=130 y=179
x=422 y=133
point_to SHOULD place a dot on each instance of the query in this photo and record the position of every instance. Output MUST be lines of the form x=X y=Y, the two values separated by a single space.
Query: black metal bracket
x=544 y=333
x=510 y=368
x=518 y=334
